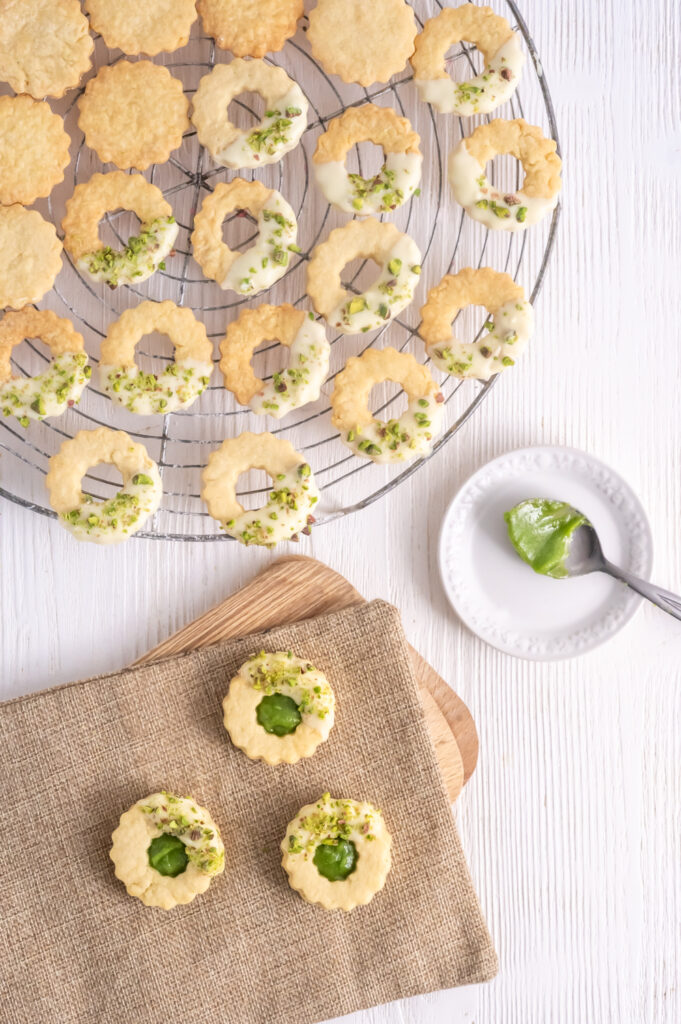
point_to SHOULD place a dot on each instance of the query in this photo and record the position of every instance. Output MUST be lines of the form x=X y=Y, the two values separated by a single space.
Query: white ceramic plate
x=499 y=597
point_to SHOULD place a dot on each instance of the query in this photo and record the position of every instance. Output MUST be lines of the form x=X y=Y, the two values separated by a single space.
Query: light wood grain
x=571 y=822
x=297 y=588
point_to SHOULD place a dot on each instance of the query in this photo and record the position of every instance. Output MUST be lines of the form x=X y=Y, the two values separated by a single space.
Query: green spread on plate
x=167 y=855
x=278 y=714
x=335 y=859
x=541 y=532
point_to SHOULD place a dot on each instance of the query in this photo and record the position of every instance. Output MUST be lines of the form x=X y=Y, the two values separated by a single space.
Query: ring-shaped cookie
x=492 y=36
x=308 y=359
x=264 y=262
x=291 y=502
x=397 y=255
x=398 y=178
x=280 y=129
x=164 y=872
x=59 y=386
x=509 y=327
x=507 y=211
x=183 y=380
x=337 y=853
x=279 y=708
x=143 y=254
x=398 y=440
x=113 y=520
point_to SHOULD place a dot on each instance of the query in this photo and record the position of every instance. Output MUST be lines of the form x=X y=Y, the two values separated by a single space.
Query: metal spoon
x=586 y=555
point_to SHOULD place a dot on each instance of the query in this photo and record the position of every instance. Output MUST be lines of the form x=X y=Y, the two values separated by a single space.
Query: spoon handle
x=664 y=599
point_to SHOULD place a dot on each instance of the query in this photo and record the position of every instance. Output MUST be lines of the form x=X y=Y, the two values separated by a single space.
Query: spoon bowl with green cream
x=558 y=540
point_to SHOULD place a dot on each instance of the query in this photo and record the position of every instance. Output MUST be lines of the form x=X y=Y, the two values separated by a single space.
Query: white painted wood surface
x=572 y=822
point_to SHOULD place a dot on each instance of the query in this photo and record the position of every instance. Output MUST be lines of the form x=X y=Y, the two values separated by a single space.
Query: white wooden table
x=572 y=822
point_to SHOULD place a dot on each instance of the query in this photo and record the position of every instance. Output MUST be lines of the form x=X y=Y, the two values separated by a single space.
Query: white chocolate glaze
x=481 y=94
x=394 y=184
x=112 y=521
x=390 y=293
x=47 y=394
x=150 y=394
x=279 y=132
x=287 y=513
x=266 y=261
x=141 y=257
x=500 y=211
x=301 y=381
x=399 y=440
x=509 y=330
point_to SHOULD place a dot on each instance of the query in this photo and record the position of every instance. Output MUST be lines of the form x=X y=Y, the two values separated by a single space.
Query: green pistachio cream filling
x=335 y=859
x=167 y=855
x=541 y=532
x=278 y=714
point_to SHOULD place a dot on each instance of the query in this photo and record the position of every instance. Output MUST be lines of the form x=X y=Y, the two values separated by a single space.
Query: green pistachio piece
x=142 y=478
x=395 y=266
x=356 y=306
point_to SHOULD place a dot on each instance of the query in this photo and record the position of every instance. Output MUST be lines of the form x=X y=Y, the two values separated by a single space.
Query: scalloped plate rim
x=631 y=601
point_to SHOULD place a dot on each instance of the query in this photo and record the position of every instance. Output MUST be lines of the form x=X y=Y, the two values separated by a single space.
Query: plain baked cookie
x=337 y=853
x=30 y=256
x=250 y=29
x=133 y=114
x=149 y=27
x=34 y=150
x=166 y=850
x=279 y=708
x=45 y=46
x=362 y=42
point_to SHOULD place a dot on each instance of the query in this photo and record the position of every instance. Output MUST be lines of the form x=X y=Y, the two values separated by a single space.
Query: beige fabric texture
x=76 y=949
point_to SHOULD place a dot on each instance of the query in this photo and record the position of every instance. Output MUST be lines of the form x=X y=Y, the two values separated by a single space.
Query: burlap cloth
x=76 y=948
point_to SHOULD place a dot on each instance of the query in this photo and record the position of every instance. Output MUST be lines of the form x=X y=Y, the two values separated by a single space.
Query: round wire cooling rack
x=447 y=237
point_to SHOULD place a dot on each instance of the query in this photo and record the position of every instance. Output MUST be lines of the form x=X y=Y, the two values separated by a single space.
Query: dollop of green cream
x=278 y=714
x=167 y=855
x=335 y=859
x=541 y=532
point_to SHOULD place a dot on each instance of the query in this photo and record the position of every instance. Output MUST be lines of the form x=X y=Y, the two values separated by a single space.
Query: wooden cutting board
x=296 y=588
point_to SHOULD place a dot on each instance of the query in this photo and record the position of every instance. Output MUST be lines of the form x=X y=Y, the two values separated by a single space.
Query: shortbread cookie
x=182 y=381
x=266 y=143
x=266 y=260
x=290 y=504
x=399 y=177
x=517 y=209
x=250 y=29
x=142 y=254
x=34 y=150
x=308 y=359
x=336 y=853
x=362 y=42
x=113 y=520
x=30 y=256
x=147 y=27
x=399 y=260
x=51 y=392
x=508 y=328
x=133 y=114
x=279 y=708
x=167 y=850
x=492 y=36
x=45 y=46
x=398 y=440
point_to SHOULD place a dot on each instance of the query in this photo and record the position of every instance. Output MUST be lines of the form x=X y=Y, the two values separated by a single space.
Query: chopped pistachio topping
x=177 y=816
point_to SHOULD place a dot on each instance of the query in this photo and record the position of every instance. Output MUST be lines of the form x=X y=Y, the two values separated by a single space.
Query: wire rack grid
x=181 y=442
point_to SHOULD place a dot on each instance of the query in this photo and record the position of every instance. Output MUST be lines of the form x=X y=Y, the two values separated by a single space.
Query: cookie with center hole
x=289 y=507
x=103 y=521
x=496 y=41
x=290 y=388
x=278 y=132
x=507 y=330
x=401 y=439
x=60 y=386
x=182 y=381
x=399 y=177
x=512 y=210
x=398 y=257
x=264 y=262
x=143 y=254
